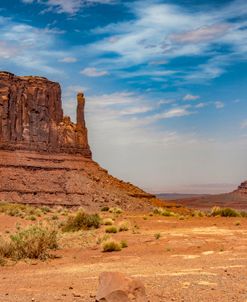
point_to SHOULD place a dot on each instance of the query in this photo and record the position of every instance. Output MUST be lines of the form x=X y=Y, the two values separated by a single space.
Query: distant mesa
x=31 y=117
x=242 y=188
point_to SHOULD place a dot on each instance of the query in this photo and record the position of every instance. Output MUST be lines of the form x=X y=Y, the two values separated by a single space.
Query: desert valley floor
x=178 y=259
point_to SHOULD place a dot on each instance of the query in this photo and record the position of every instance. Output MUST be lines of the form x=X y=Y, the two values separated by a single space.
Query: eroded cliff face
x=242 y=189
x=45 y=158
x=31 y=117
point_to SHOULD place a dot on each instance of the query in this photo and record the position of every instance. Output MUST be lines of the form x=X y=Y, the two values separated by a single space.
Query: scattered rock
x=117 y=287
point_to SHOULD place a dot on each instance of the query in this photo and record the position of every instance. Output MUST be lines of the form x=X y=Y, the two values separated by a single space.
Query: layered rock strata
x=45 y=158
x=31 y=117
x=242 y=188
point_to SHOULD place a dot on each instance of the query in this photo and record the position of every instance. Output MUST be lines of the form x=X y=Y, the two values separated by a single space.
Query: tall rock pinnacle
x=31 y=117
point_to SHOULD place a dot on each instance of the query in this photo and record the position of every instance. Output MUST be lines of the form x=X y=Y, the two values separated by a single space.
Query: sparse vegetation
x=33 y=242
x=111 y=229
x=105 y=209
x=112 y=246
x=157 y=236
x=198 y=213
x=108 y=221
x=124 y=244
x=105 y=237
x=81 y=221
x=123 y=226
x=19 y=210
x=164 y=212
x=116 y=210
x=224 y=212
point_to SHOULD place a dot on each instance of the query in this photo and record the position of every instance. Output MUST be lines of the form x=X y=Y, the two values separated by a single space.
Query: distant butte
x=45 y=158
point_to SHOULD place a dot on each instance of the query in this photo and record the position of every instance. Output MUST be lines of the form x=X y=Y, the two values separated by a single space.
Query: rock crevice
x=31 y=117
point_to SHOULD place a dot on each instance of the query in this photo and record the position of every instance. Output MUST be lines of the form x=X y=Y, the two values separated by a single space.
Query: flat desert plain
x=186 y=259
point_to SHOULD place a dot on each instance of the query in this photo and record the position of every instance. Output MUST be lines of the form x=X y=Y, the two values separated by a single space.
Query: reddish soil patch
x=196 y=259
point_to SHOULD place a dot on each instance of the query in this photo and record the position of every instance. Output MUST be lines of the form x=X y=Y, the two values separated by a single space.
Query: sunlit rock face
x=242 y=189
x=31 y=117
x=45 y=158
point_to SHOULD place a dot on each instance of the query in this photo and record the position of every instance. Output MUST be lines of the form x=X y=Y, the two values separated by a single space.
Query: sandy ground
x=196 y=259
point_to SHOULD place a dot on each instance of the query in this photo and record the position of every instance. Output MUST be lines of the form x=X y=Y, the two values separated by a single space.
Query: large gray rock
x=117 y=287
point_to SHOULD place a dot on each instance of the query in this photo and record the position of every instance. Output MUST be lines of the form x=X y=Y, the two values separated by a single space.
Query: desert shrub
x=105 y=209
x=116 y=210
x=157 y=236
x=19 y=210
x=111 y=246
x=81 y=221
x=5 y=248
x=45 y=210
x=2 y=261
x=33 y=242
x=123 y=226
x=32 y=218
x=243 y=214
x=163 y=212
x=108 y=221
x=111 y=229
x=105 y=237
x=124 y=244
x=198 y=213
x=224 y=212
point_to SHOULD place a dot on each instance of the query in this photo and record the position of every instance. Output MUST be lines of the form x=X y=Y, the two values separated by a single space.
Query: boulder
x=117 y=287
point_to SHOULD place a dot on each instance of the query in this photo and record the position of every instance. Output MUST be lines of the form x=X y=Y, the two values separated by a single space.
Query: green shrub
x=111 y=229
x=105 y=209
x=111 y=246
x=124 y=244
x=19 y=210
x=82 y=221
x=108 y=221
x=105 y=237
x=224 y=212
x=116 y=210
x=123 y=226
x=45 y=209
x=163 y=212
x=157 y=236
x=32 y=218
x=33 y=242
x=243 y=214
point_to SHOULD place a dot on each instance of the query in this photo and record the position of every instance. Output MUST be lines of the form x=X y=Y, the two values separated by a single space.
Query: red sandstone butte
x=45 y=158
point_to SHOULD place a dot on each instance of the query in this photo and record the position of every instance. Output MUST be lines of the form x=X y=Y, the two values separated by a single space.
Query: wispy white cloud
x=93 y=72
x=219 y=105
x=30 y=47
x=191 y=97
x=70 y=7
x=203 y=34
x=69 y=60
x=201 y=105
x=160 y=32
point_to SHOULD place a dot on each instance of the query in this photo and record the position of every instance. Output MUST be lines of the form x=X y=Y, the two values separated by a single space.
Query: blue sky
x=165 y=82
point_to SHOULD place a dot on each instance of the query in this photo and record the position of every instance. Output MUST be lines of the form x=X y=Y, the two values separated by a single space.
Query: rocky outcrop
x=31 y=117
x=45 y=158
x=117 y=287
x=242 y=188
